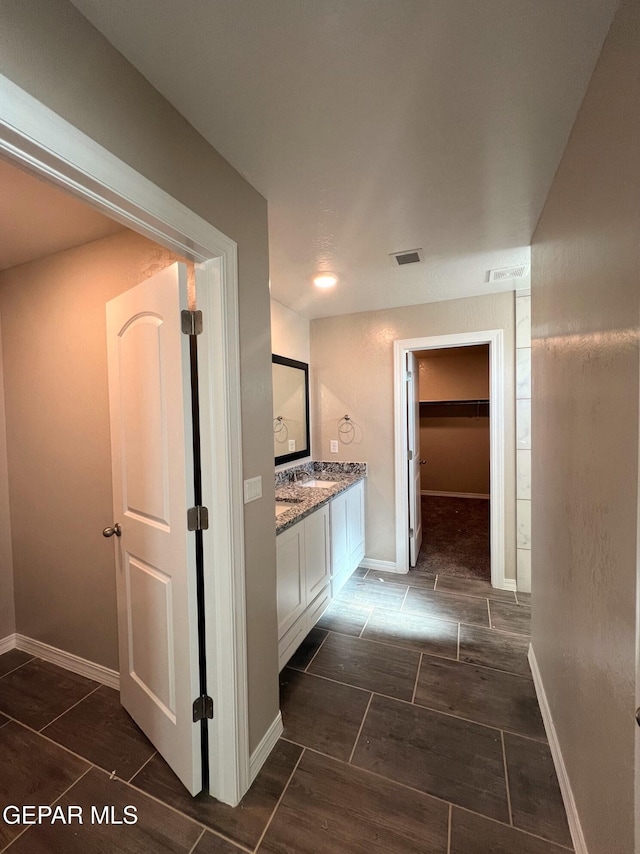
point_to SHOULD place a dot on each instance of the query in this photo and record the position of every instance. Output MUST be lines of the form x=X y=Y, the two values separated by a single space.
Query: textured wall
x=53 y=53
x=586 y=303
x=58 y=439
x=352 y=358
x=7 y=610
x=523 y=439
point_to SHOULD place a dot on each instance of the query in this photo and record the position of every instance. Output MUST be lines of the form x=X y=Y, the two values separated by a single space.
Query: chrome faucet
x=299 y=475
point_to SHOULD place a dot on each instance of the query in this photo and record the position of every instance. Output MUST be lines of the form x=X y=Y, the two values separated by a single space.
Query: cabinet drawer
x=317 y=608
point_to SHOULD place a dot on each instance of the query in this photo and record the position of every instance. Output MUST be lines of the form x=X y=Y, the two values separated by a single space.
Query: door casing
x=495 y=339
x=40 y=141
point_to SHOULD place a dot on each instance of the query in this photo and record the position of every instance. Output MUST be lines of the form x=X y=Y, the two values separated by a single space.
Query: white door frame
x=494 y=338
x=36 y=138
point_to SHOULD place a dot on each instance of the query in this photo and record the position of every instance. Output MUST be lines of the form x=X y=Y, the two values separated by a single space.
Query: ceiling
x=376 y=127
x=37 y=220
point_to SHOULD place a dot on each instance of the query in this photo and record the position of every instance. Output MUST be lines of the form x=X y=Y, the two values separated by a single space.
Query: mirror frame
x=302 y=366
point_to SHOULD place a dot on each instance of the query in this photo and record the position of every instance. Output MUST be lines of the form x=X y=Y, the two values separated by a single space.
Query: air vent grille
x=409 y=256
x=504 y=273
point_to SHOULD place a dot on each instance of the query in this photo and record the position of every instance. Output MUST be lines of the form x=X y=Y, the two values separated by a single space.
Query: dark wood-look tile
x=438 y=754
x=99 y=729
x=369 y=665
x=3 y=720
x=473 y=587
x=536 y=802
x=34 y=771
x=38 y=692
x=360 y=572
x=212 y=844
x=158 y=830
x=494 y=649
x=472 y=834
x=523 y=598
x=447 y=606
x=348 y=618
x=11 y=660
x=413 y=578
x=321 y=714
x=424 y=634
x=510 y=618
x=243 y=824
x=307 y=649
x=333 y=808
x=490 y=697
x=372 y=593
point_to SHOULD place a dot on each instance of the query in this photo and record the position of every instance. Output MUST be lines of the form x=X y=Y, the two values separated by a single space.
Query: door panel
x=413 y=455
x=151 y=436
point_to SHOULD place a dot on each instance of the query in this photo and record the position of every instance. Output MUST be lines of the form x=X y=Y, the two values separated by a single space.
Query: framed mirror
x=291 y=439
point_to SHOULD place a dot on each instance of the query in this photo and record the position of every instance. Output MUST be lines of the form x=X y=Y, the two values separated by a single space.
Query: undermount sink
x=282 y=507
x=319 y=484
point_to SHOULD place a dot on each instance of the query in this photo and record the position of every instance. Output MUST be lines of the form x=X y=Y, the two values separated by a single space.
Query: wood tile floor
x=411 y=725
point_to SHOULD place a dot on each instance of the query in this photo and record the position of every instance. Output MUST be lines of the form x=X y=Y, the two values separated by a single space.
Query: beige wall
x=456 y=449
x=52 y=52
x=352 y=368
x=585 y=302
x=58 y=439
x=7 y=609
x=289 y=333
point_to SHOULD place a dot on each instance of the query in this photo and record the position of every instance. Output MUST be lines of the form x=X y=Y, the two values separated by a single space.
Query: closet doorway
x=449 y=415
x=454 y=459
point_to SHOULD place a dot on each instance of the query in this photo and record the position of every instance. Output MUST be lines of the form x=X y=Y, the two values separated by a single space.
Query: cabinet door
x=290 y=560
x=355 y=522
x=339 y=542
x=316 y=536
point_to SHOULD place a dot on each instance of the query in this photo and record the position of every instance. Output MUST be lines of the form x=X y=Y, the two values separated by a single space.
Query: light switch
x=334 y=446
x=252 y=489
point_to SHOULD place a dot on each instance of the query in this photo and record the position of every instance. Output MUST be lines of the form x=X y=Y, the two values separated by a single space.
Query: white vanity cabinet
x=347 y=534
x=315 y=558
x=304 y=574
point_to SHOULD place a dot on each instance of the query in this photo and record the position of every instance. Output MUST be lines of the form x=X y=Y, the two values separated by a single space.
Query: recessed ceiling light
x=325 y=280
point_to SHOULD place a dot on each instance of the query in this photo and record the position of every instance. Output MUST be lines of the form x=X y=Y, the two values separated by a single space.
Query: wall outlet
x=292 y=445
x=334 y=446
x=252 y=489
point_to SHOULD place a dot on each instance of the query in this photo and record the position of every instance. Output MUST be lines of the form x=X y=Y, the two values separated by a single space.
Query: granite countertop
x=305 y=499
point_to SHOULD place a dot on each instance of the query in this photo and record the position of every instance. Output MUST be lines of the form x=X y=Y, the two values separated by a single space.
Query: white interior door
x=413 y=458
x=151 y=438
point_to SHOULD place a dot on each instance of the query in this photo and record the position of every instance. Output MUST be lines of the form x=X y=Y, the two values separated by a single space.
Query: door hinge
x=408 y=376
x=197 y=518
x=409 y=455
x=191 y=322
x=411 y=532
x=202 y=708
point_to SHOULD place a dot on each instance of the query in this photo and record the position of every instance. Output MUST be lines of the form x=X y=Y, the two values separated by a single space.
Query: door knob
x=109 y=532
x=423 y=462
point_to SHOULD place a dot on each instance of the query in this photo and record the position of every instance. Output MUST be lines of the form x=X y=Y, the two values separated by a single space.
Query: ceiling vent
x=504 y=273
x=409 y=256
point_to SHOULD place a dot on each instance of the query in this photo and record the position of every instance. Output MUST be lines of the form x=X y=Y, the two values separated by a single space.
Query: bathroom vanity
x=319 y=544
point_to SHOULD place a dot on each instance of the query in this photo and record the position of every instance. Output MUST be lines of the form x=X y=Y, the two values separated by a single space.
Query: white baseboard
x=8 y=643
x=575 y=827
x=69 y=661
x=381 y=565
x=454 y=494
x=510 y=584
x=267 y=743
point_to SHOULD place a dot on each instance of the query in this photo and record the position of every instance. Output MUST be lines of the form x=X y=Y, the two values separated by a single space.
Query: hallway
x=411 y=725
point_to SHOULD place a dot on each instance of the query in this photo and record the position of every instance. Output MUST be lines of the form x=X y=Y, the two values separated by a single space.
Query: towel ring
x=345 y=425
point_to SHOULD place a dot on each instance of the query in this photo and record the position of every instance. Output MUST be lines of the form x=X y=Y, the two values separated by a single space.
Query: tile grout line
x=404 y=599
x=424 y=793
x=19 y=667
x=311 y=660
x=360 y=728
x=449 y=828
x=53 y=802
x=415 y=684
x=282 y=794
x=489 y=613
x=195 y=844
x=506 y=777
x=69 y=709
x=435 y=582
x=366 y=623
x=458 y=645
x=144 y=764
